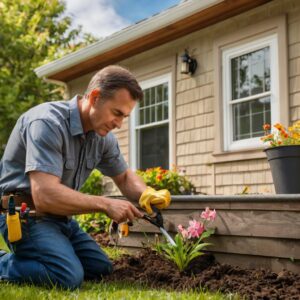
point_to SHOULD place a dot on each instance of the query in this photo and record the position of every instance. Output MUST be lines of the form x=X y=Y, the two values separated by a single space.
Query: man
x=50 y=153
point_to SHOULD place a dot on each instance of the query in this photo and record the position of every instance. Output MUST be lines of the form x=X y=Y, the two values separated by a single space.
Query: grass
x=92 y=291
x=107 y=291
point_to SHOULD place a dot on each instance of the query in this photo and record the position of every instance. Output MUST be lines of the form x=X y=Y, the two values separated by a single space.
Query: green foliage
x=172 y=180
x=32 y=32
x=94 y=222
x=94 y=184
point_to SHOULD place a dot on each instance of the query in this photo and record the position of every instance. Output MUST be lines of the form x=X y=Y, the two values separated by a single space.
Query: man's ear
x=94 y=95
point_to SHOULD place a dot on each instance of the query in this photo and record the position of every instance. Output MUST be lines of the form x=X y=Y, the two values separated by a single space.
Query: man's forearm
x=131 y=185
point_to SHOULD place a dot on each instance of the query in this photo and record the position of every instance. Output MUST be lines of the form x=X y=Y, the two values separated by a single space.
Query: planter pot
x=285 y=167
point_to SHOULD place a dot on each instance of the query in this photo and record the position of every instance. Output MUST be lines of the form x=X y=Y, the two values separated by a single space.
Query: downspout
x=66 y=94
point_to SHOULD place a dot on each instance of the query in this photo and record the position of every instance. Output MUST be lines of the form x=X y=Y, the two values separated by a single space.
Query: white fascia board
x=126 y=35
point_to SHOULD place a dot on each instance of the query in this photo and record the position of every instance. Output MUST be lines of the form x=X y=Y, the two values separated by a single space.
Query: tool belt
x=19 y=199
x=26 y=198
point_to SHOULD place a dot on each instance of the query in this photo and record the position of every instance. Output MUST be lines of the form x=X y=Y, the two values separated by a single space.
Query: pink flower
x=208 y=214
x=183 y=231
x=195 y=229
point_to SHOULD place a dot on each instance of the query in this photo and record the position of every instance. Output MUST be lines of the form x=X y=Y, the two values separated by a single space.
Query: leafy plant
x=94 y=184
x=172 y=180
x=94 y=222
x=282 y=136
x=189 y=241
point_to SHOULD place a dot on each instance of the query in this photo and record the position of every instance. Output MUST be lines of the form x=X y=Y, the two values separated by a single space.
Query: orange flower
x=266 y=127
x=159 y=177
x=278 y=126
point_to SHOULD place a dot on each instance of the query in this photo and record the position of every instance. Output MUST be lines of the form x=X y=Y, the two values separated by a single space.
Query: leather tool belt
x=18 y=199
x=26 y=198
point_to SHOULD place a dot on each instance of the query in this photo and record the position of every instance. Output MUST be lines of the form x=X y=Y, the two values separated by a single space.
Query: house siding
x=194 y=101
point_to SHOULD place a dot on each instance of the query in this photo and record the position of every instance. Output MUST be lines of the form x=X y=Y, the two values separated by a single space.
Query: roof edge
x=165 y=18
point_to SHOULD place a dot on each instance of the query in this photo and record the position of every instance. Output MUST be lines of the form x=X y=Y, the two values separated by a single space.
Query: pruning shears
x=158 y=221
x=122 y=230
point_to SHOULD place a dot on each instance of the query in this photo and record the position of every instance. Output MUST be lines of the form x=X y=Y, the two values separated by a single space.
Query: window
x=150 y=129
x=250 y=85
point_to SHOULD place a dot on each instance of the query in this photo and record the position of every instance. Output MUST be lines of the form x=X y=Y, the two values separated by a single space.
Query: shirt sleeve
x=112 y=162
x=43 y=148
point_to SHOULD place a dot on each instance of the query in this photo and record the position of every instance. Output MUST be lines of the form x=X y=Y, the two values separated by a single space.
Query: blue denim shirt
x=50 y=138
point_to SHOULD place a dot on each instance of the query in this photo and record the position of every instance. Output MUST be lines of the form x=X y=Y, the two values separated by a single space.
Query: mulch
x=149 y=268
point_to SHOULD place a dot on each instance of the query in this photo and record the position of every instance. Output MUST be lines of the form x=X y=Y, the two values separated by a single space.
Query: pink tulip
x=183 y=231
x=195 y=229
x=208 y=214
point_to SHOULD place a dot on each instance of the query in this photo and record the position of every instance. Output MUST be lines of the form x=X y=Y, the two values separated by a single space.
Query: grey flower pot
x=285 y=167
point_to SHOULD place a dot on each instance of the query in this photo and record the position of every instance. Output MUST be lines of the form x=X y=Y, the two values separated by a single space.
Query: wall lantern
x=188 y=64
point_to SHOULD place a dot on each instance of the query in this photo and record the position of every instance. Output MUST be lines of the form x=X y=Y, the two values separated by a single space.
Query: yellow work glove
x=161 y=199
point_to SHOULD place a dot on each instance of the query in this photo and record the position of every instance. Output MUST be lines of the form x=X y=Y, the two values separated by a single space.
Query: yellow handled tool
x=13 y=222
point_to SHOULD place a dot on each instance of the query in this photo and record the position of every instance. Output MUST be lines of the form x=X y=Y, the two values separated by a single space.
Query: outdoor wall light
x=188 y=64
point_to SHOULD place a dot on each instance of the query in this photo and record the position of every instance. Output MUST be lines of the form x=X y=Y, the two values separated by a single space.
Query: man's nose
x=118 y=122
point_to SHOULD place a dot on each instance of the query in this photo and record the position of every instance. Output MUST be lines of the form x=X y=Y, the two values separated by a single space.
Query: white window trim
x=272 y=41
x=133 y=144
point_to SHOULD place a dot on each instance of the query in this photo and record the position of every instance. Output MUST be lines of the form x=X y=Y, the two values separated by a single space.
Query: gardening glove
x=160 y=199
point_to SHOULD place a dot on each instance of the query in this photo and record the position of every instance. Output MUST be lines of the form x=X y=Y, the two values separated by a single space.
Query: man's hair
x=112 y=78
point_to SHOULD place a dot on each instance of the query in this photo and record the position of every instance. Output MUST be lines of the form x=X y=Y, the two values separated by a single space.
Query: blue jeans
x=52 y=252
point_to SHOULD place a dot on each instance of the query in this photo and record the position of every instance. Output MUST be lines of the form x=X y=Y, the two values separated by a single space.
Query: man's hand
x=161 y=199
x=122 y=210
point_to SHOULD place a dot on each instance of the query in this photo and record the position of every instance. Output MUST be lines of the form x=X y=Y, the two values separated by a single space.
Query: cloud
x=96 y=16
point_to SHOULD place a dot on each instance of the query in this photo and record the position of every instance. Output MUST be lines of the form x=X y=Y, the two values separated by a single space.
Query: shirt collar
x=75 y=121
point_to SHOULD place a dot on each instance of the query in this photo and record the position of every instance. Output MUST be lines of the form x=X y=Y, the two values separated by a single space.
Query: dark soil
x=151 y=269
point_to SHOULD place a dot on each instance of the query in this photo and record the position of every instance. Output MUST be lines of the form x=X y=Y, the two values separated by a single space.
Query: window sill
x=231 y=156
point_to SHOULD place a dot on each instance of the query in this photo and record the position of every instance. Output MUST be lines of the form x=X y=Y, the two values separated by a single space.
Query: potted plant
x=283 y=155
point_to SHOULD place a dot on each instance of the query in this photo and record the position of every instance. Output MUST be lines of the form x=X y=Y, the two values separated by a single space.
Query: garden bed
x=252 y=231
x=153 y=270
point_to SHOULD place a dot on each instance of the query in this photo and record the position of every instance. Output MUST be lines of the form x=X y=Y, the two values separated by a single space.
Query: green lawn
x=94 y=291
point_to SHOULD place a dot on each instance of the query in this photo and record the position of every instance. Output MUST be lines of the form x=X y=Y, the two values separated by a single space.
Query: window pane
x=155 y=106
x=152 y=96
x=165 y=92
x=141 y=117
x=234 y=79
x=146 y=97
x=154 y=147
x=267 y=71
x=152 y=114
x=159 y=116
x=159 y=93
x=147 y=116
x=249 y=117
x=244 y=84
x=166 y=110
x=250 y=74
x=257 y=122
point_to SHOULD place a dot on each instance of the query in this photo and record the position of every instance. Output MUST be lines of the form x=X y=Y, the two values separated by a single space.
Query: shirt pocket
x=69 y=164
x=68 y=172
x=90 y=164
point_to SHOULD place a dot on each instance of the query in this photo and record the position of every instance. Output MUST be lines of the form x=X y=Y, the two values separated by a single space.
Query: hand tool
x=158 y=221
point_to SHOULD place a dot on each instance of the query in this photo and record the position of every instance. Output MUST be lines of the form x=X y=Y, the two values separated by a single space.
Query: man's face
x=109 y=114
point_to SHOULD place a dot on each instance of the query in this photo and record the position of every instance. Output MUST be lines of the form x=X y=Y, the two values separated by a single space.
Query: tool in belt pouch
x=13 y=222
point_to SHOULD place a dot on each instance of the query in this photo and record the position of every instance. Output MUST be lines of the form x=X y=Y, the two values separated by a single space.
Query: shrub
x=94 y=222
x=94 y=184
x=172 y=180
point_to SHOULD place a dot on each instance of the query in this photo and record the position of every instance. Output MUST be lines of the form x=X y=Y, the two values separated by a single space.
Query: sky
x=104 y=17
